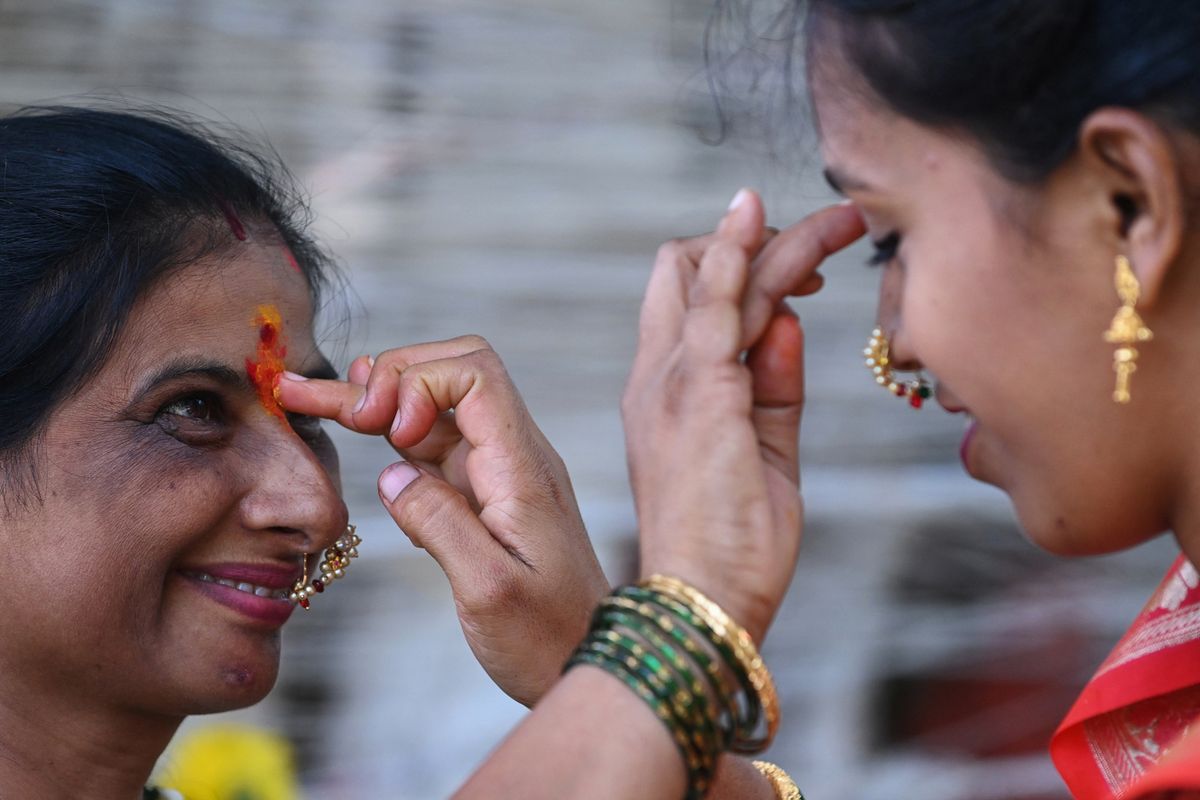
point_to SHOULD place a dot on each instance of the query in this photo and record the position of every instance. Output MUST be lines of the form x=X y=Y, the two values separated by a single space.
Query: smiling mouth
x=242 y=586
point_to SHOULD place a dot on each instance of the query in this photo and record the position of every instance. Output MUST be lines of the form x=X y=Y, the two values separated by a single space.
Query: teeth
x=243 y=586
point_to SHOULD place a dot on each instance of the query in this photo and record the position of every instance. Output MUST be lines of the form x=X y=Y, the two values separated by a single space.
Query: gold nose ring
x=878 y=353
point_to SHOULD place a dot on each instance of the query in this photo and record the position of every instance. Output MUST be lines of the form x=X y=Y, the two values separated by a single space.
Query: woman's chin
x=235 y=678
x=1086 y=532
x=231 y=687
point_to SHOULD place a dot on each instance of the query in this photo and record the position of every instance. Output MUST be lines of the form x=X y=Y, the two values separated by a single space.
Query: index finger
x=790 y=260
x=328 y=399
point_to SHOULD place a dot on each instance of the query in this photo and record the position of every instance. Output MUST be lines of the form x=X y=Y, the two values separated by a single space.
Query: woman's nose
x=293 y=492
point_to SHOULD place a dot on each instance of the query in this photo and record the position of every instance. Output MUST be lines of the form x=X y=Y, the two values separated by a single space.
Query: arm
x=713 y=461
x=712 y=442
x=590 y=737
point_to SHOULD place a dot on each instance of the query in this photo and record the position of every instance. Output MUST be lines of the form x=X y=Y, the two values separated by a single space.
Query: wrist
x=752 y=613
x=696 y=668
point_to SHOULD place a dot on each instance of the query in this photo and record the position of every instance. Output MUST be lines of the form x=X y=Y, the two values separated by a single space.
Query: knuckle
x=485 y=360
x=394 y=357
x=725 y=250
x=416 y=379
x=473 y=342
x=669 y=251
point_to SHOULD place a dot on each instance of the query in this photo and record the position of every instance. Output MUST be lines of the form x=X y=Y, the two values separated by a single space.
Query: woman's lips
x=258 y=592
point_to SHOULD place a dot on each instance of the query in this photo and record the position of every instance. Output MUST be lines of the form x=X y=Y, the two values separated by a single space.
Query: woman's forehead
x=213 y=308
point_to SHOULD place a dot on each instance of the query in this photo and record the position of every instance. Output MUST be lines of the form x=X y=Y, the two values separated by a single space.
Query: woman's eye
x=201 y=407
x=885 y=250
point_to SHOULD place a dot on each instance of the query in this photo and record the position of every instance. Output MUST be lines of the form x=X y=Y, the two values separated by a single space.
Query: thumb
x=438 y=518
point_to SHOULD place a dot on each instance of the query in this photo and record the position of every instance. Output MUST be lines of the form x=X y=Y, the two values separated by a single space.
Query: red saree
x=1134 y=732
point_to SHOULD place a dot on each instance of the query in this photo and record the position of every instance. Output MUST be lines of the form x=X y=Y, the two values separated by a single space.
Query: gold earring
x=878 y=353
x=1126 y=329
x=333 y=566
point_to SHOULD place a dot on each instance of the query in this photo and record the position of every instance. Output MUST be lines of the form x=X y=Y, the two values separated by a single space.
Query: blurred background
x=508 y=169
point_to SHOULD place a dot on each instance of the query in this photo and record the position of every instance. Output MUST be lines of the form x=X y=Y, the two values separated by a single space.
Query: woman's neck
x=54 y=747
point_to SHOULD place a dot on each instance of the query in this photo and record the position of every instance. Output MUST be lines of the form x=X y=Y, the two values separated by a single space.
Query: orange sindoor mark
x=265 y=369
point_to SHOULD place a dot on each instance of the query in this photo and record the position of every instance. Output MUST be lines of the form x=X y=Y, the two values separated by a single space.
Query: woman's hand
x=712 y=408
x=483 y=491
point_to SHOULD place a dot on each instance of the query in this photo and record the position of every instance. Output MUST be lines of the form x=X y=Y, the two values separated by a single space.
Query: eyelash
x=216 y=408
x=308 y=428
x=885 y=250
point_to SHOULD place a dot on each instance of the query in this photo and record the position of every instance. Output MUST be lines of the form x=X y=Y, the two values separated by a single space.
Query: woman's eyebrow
x=224 y=374
x=217 y=371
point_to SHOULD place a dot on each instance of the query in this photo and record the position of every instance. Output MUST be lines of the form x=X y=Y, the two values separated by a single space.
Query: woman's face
x=1003 y=292
x=168 y=471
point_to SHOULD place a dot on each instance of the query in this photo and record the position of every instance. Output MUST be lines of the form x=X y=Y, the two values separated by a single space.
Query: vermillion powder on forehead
x=264 y=370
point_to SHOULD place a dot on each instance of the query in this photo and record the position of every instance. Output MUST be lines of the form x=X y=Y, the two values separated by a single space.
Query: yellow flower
x=230 y=762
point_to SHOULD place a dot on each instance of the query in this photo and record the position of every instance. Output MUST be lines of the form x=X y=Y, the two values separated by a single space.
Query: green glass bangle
x=749 y=720
x=698 y=782
x=746 y=721
x=699 y=758
x=758 y=682
x=694 y=724
x=672 y=660
x=726 y=719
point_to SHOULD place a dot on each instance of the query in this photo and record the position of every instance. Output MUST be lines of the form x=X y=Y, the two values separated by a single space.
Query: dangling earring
x=1126 y=329
x=879 y=361
x=334 y=565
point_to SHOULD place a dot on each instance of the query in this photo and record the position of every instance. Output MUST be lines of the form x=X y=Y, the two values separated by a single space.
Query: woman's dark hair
x=96 y=207
x=1020 y=76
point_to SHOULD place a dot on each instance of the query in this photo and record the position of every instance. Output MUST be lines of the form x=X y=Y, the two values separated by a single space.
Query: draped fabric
x=1134 y=732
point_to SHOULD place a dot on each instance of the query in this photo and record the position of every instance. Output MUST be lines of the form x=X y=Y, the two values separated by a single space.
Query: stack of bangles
x=696 y=668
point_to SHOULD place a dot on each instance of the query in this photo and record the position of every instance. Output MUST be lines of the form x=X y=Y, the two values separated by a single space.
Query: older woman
x=163 y=512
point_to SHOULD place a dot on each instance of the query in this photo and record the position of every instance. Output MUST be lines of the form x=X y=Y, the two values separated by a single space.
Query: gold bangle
x=739 y=642
x=785 y=788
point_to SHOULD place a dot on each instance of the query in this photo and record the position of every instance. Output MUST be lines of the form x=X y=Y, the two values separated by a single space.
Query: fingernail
x=738 y=199
x=395 y=424
x=362 y=401
x=395 y=479
x=292 y=376
x=371 y=361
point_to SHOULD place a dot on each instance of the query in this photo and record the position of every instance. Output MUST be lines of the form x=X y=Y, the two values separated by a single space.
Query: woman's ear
x=1136 y=164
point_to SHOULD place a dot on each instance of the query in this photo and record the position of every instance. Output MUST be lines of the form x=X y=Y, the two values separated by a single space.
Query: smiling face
x=1002 y=291
x=166 y=473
